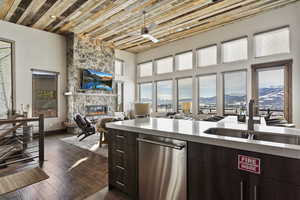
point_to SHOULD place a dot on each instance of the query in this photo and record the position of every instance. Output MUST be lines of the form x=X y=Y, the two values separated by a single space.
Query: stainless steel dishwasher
x=162 y=168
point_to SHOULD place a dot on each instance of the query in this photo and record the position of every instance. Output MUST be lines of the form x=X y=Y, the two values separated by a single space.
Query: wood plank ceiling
x=118 y=23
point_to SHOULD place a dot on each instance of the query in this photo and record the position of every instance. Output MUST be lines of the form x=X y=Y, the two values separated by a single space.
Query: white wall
x=288 y=15
x=39 y=50
x=129 y=77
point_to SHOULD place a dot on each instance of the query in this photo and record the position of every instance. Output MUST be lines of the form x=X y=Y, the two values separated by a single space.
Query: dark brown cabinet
x=213 y=174
x=122 y=160
x=267 y=188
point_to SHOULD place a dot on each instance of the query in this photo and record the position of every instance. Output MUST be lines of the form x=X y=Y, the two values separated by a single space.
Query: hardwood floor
x=74 y=173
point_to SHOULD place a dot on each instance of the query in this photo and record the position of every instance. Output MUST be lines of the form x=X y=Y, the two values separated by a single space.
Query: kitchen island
x=155 y=158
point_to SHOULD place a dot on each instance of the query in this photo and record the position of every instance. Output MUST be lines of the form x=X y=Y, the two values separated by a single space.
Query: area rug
x=90 y=143
x=21 y=179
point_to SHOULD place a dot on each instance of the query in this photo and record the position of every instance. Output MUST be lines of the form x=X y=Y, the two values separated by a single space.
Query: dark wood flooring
x=74 y=173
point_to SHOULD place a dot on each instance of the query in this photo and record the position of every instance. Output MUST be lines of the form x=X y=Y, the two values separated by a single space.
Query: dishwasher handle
x=173 y=146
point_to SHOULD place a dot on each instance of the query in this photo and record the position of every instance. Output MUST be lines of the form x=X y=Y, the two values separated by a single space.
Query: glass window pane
x=185 y=95
x=5 y=79
x=164 y=65
x=208 y=94
x=271 y=91
x=235 y=92
x=119 y=64
x=207 y=56
x=273 y=42
x=44 y=98
x=145 y=69
x=146 y=93
x=120 y=97
x=184 y=61
x=164 y=96
x=235 y=50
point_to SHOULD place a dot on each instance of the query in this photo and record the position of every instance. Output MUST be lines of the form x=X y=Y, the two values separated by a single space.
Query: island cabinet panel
x=213 y=174
x=122 y=160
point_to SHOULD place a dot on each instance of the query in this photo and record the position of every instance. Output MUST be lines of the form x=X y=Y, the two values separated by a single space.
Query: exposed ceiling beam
x=214 y=25
x=75 y=15
x=12 y=9
x=29 y=12
x=5 y=7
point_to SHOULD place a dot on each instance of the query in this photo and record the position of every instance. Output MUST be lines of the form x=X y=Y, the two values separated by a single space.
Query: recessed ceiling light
x=53 y=16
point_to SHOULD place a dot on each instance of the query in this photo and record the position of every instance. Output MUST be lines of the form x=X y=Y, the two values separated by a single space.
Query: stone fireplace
x=85 y=53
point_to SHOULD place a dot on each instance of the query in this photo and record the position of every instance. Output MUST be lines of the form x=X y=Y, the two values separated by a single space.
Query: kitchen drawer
x=120 y=174
x=122 y=148
x=120 y=142
x=119 y=158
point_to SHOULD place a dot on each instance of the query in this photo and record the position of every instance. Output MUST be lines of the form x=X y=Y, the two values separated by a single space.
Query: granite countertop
x=194 y=131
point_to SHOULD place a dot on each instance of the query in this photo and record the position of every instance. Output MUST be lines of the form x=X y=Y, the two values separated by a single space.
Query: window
x=272 y=42
x=44 y=94
x=6 y=95
x=120 y=97
x=164 y=65
x=207 y=56
x=164 y=96
x=235 y=92
x=146 y=93
x=185 y=95
x=184 y=61
x=208 y=94
x=235 y=50
x=272 y=84
x=119 y=67
x=145 y=69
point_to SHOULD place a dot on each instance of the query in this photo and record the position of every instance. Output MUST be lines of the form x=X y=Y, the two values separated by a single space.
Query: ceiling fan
x=145 y=30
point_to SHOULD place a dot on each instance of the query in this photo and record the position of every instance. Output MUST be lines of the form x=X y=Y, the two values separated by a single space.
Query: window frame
x=271 y=30
x=156 y=102
x=161 y=58
x=198 y=92
x=122 y=95
x=13 y=72
x=223 y=89
x=177 y=92
x=139 y=90
x=176 y=61
x=288 y=84
x=231 y=40
x=139 y=69
x=122 y=67
x=204 y=47
x=57 y=92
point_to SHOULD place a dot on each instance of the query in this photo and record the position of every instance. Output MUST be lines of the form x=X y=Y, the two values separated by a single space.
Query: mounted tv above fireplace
x=92 y=79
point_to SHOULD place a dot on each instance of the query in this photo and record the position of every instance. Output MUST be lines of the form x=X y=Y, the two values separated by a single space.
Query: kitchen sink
x=279 y=138
x=261 y=136
x=227 y=132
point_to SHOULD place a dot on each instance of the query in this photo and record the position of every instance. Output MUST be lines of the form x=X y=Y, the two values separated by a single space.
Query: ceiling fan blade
x=150 y=37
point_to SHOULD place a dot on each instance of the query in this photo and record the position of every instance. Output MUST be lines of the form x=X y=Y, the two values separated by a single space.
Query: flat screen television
x=92 y=79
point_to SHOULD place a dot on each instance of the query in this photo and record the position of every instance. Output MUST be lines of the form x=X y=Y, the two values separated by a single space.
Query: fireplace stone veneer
x=85 y=53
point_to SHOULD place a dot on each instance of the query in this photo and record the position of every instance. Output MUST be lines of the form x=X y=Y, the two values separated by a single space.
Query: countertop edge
x=277 y=149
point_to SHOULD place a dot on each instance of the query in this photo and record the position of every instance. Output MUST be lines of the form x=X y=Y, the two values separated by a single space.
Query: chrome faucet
x=251 y=105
